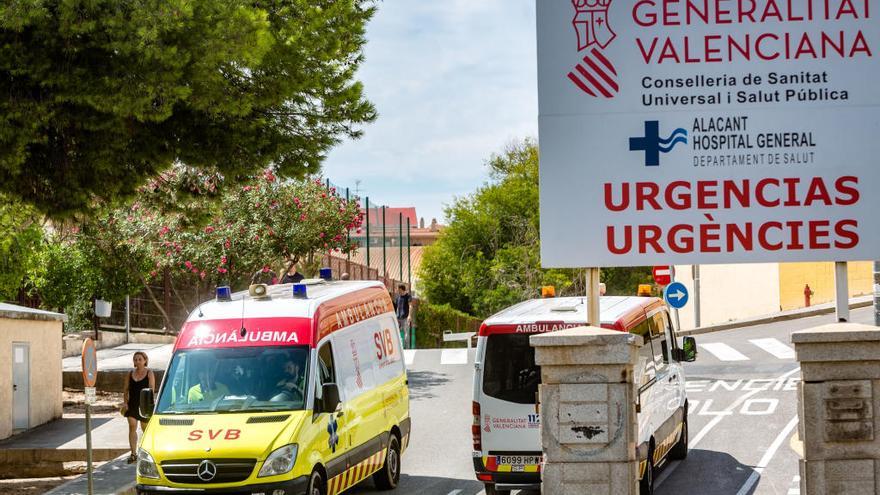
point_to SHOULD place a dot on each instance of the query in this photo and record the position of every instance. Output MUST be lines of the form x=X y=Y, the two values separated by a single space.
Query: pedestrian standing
x=402 y=309
x=292 y=276
x=138 y=379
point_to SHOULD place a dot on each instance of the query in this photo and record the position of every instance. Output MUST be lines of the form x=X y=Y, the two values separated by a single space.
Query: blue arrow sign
x=676 y=295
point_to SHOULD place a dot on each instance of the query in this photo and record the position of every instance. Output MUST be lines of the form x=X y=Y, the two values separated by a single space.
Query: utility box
x=838 y=397
x=30 y=368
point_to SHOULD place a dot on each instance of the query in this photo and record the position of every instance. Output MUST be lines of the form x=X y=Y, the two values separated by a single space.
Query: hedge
x=432 y=320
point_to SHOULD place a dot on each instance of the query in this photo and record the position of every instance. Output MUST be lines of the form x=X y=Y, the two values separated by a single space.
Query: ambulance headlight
x=146 y=466
x=279 y=462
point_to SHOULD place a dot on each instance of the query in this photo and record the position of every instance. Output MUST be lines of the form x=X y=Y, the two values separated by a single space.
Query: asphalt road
x=742 y=391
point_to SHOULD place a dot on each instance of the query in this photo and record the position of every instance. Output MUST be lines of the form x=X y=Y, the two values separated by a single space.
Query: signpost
x=90 y=376
x=662 y=275
x=696 y=133
x=676 y=295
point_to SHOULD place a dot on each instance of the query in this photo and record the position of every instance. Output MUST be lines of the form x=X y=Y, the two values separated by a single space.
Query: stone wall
x=838 y=402
x=588 y=416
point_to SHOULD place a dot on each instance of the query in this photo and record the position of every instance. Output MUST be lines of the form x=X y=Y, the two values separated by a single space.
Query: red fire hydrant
x=807 y=293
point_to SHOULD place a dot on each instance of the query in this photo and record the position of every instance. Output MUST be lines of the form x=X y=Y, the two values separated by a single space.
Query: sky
x=453 y=81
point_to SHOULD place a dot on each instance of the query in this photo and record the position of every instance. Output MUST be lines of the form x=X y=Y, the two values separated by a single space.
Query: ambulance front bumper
x=298 y=486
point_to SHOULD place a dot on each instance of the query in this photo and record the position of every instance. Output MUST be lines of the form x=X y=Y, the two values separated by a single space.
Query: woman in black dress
x=138 y=379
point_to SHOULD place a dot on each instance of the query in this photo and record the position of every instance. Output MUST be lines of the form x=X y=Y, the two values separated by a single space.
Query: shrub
x=432 y=320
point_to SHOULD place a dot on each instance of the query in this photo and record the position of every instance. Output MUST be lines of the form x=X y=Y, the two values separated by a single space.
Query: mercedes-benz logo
x=207 y=470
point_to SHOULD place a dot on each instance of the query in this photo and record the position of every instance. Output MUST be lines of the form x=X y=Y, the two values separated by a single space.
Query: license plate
x=518 y=460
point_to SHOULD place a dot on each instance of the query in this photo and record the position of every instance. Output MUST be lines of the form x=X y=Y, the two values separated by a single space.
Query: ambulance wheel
x=491 y=490
x=316 y=484
x=646 y=484
x=388 y=477
x=680 y=450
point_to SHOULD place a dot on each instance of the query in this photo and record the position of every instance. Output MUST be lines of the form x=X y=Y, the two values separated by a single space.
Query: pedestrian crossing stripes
x=745 y=350
x=409 y=355
x=724 y=352
x=454 y=356
x=774 y=347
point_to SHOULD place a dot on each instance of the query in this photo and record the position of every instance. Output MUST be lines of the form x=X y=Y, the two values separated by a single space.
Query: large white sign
x=708 y=131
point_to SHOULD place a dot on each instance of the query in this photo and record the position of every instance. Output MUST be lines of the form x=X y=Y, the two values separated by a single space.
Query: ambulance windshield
x=509 y=371
x=238 y=379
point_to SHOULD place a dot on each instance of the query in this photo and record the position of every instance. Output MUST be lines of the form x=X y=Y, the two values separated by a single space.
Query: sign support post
x=593 y=317
x=877 y=293
x=841 y=289
x=90 y=376
x=89 y=446
x=674 y=308
x=696 y=296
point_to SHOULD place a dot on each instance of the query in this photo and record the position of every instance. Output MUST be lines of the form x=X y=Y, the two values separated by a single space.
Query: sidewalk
x=114 y=363
x=43 y=450
x=819 y=309
x=117 y=477
x=119 y=358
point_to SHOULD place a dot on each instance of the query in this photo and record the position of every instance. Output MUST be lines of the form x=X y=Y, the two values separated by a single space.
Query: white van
x=506 y=430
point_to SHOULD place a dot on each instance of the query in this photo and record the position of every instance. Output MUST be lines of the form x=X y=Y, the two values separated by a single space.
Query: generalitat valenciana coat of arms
x=595 y=74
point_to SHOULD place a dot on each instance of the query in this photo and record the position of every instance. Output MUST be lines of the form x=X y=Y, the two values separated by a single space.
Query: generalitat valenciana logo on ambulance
x=594 y=74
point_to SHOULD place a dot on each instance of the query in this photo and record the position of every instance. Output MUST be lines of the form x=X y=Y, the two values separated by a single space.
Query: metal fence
x=385 y=249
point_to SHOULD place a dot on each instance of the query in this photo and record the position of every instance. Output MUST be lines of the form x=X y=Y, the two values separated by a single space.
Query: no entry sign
x=662 y=275
x=706 y=131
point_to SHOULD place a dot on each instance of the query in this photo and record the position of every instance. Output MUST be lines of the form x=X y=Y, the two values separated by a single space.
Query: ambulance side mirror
x=329 y=397
x=689 y=350
x=147 y=404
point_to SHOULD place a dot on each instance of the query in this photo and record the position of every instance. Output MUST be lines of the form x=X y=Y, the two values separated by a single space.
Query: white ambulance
x=506 y=429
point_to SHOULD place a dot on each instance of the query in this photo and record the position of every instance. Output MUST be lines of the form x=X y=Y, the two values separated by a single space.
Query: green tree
x=21 y=235
x=488 y=257
x=101 y=95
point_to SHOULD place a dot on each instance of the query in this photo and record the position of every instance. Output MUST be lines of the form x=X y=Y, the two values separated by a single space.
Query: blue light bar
x=224 y=293
x=299 y=291
x=326 y=273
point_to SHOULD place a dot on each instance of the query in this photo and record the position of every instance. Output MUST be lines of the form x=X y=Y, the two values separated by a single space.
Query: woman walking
x=138 y=379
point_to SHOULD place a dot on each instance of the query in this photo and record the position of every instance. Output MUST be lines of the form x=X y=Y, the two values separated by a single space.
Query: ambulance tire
x=646 y=484
x=388 y=477
x=680 y=450
x=316 y=484
x=491 y=490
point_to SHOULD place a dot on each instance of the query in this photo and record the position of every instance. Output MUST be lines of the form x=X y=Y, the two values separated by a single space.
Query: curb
x=785 y=316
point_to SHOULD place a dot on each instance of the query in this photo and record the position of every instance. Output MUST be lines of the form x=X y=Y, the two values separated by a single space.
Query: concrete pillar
x=837 y=400
x=588 y=415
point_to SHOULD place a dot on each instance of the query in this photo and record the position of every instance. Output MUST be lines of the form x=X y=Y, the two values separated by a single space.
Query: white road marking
x=454 y=356
x=768 y=456
x=796 y=490
x=774 y=347
x=409 y=355
x=717 y=419
x=454 y=492
x=724 y=352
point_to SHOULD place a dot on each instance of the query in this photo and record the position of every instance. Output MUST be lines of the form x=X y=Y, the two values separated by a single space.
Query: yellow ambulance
x=280 y=390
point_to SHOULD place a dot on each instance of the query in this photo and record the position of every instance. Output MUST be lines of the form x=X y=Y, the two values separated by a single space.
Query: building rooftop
x=16 y=312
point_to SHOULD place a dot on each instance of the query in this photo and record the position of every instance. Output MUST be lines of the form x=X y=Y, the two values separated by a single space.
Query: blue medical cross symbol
x=332 y=426
x=650 y=144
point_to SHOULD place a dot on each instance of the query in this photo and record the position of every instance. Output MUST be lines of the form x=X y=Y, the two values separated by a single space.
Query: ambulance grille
x=267 y=419
x=176 y=421
x=228 y=470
